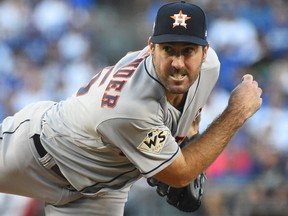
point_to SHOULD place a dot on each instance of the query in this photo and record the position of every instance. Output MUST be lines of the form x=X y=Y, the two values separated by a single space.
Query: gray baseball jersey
x=120 y=126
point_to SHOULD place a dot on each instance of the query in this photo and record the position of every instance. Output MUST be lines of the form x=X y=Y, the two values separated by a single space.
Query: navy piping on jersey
x=162 y=163
x=199 y=77
x=145 y=65
x=89 y=189
x=11 y=132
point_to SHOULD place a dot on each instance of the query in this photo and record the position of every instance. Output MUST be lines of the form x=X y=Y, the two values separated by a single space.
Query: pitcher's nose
x=178 y=62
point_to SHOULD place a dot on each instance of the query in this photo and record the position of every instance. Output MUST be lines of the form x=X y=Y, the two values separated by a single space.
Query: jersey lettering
x=125 y=73
x=116 y=85
x=106 y=74
x=83 y=90
x=109 y=100
x=128 y=70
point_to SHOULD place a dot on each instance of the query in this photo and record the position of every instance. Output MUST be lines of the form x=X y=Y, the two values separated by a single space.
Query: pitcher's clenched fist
x=246 y=99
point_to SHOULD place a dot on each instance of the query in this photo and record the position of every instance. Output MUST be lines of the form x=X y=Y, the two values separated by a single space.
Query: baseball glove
x=188 y=198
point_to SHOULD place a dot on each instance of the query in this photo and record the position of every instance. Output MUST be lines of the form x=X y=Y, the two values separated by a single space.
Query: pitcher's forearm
x=200 y=154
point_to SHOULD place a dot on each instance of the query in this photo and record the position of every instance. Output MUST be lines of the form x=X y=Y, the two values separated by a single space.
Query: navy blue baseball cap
x=180 y=22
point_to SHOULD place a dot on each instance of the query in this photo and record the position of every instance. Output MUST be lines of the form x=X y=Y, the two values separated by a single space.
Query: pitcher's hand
x=246 y=99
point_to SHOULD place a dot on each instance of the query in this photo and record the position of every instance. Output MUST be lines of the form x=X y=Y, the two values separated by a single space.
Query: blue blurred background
x=48 y=48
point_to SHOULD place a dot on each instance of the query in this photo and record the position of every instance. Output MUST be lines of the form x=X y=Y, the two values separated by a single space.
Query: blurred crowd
x=49 y=48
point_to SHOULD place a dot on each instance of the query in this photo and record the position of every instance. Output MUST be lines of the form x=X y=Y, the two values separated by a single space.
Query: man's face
x=177 y=64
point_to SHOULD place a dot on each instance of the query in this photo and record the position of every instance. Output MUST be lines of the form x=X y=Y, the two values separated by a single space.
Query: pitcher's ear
x=205 y=52
x=151 y=45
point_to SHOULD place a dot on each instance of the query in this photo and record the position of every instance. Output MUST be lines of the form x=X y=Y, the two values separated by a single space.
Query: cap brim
x=169 y=38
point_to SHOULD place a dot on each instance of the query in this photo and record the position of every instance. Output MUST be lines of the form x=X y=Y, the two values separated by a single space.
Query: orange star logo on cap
x=180 y=19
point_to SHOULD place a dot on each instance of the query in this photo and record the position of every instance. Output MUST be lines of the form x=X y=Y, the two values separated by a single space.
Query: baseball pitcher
x=81 y=155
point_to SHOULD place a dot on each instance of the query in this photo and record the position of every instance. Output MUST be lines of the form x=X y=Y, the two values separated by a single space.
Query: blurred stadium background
x=49 y=47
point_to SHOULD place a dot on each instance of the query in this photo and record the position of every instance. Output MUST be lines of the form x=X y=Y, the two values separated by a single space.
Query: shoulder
x=211 y=64
x=212 y=60
x=131 y=57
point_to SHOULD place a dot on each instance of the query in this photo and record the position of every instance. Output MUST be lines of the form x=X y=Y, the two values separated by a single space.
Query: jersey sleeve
x=150 y=148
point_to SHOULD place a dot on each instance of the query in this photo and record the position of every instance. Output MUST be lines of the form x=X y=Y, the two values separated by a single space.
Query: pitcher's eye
x=169 y=50
x=189 y=51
